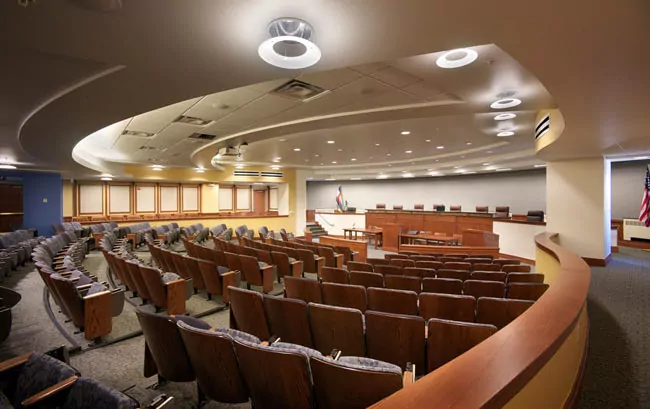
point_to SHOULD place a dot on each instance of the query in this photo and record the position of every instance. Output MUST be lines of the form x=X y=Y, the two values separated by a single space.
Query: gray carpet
x=618 y=368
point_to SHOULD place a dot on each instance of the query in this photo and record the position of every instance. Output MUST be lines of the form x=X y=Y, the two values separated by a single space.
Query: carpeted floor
x=618 y=367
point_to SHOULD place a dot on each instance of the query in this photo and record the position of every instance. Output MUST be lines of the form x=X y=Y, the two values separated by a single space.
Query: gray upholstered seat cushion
x=368 y=364
x=96 y=288
x=292 y=260
x=87 y=393
x=4 y=402
x=239 y=335
x=285 y=346
x=193 y=322
x=222 y=270
x=169 y=277
x=262 y=264
x=38 y=373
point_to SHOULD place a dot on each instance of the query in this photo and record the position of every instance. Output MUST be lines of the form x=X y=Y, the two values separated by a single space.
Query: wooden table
x=378 y=234
x=410 y=238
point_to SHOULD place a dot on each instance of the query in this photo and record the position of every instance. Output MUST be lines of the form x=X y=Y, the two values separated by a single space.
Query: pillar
x=578 y=206
x=42 y=201
x=301 y=200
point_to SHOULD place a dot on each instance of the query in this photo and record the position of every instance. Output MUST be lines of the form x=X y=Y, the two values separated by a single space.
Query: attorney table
x=378 y=234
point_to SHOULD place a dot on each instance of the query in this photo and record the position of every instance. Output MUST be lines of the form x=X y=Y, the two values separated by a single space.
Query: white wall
x=517 y=239
x=522 y=191
x=335 y=223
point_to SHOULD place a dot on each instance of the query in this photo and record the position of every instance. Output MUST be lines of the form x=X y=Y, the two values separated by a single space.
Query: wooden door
x=259 y=201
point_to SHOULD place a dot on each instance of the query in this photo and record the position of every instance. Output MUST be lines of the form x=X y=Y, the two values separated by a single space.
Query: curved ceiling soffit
x=56 y=96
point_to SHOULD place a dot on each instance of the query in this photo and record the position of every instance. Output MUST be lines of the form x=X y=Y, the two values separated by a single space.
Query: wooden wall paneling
x=426 y=249
x=87 y=204
x=114 y=192
x=145 y=198
x=480 y=238
x=391 y=236
x=166 y=198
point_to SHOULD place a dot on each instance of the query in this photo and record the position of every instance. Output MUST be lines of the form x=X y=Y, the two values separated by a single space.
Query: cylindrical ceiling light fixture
x=289 y=46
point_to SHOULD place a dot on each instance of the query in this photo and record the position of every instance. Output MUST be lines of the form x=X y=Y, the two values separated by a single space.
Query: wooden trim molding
x=489 y=375
x=597 y=262
x=522 y=259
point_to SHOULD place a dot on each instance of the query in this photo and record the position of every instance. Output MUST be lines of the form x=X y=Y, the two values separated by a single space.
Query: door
x=259 y=201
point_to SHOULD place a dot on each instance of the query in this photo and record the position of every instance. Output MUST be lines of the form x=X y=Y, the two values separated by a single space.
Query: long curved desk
x=535 y=362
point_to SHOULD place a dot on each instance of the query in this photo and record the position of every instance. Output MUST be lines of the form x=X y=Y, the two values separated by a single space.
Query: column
x=578 y=206
x=301 y=200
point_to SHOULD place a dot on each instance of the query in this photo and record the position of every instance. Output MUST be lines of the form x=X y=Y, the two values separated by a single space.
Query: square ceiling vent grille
x=202 y=136
x=298 y=91
x=192 y=120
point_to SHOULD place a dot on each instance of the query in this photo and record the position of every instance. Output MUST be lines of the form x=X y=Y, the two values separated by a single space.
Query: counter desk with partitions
x=396 y=222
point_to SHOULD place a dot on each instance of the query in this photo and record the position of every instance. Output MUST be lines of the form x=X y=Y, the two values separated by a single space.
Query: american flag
x=339 y=199
x=645 y=204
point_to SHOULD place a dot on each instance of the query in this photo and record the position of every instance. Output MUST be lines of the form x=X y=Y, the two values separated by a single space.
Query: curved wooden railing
x=491 y=374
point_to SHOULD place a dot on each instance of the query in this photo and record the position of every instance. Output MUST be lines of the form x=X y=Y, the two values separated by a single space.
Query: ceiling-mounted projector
x=228 y=152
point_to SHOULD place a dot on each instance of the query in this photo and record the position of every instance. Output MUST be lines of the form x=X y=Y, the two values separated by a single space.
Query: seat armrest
x=88 y=297
x=51 y=391
x=83 y=287
x=408 y=378
x=14 y=362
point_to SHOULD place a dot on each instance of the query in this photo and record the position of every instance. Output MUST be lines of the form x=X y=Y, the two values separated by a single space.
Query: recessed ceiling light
x=283 y=140
x=339 y=150
x=353 y=159
x=388 y=154
x=376 y=144
x=407 y=175
x=405 y=132
x=541 y=166
x=316 y=155
x=355 y=178
x=106 y=175
x=403 y=171
x=503 y=169
x=468 y=143
x=157 y=167
x=485 y=164
x=7 y=166
x=505 y=133
x=459 y=170
x=435 y=174
x=278 y=159
x=456 y=167
x=440 y=147
x=638 y=158
x=489 y=151
x=457 y=58
x=334 y=162
x=296 y=149
x=503 y=117
x=239 y=166
x=330 y=179
x=408 y=151
x=382 y=177
x=107 y=179
x=505 y=103
x=469 y=173
x=286 y=35
x=427 y=140
x=199 y=170
x=330 y=142
x=275 y=167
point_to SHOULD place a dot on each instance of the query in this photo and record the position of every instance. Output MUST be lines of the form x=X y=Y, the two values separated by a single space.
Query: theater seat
x=535 y=216
x=222 y=382
x=353 y=382
x=247 y=312
x=344 y=295
x=397 y=339
x=277 y=374
x=393 y=301
x=447 y=339
x=403 y=283
x=334 y=275
x=380 y=206
x=489 y=276
x=499 y=311
x=525 y=278
x=337 y=327
x=479 y=288
x=511 y=268
x=288 y=319
x=304 y=289
x=88 y=393
x=359 y=266
x=447 y=306
x=502 y=212
x=482 y=209
x=366 y=279
x=442 y=286
x=526 y=291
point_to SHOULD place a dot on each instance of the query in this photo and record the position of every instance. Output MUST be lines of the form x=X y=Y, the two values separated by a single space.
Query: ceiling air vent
x=298 y=91
x=245 y=173
x=543 y=126
x=147 y=148
x=272 y=174
x=192 y=120
x=202 y=136
x=141 y=134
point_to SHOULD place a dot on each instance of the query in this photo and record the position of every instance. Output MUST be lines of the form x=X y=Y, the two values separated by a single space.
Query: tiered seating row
x=15 y=249
x=270 y=373
x=88 y=303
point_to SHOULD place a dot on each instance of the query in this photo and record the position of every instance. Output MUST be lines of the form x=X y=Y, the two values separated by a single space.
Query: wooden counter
x=360 y=246
x=395 y=222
